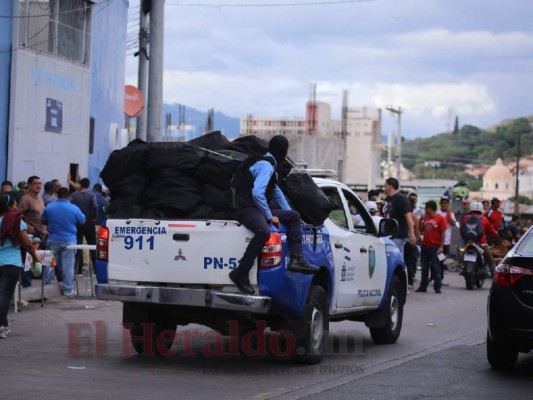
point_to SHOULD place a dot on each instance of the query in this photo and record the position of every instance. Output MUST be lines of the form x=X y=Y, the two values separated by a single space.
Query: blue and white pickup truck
x=175 y=272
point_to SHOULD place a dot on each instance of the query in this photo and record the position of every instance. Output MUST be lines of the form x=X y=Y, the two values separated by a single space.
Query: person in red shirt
x=476 y=209
x=433 y=228
x=494 y=214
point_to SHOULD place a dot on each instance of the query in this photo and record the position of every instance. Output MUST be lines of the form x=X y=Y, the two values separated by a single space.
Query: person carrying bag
x=13 y=238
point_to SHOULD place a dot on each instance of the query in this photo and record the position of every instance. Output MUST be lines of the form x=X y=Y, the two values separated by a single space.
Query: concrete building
x=62 y=86
x=525 y=177
x=351 y=146
x=498 y=182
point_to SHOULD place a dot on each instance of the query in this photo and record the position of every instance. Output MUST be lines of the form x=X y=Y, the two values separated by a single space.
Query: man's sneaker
x=4 y=331
x=438 y=291
x=69 y=293
x=421 y=290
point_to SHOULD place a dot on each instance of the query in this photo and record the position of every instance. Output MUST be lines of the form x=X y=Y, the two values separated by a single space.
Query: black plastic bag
x=249 y=144
x=218 y=168
x=306 y=198
x=129 y=160
x=176 y=155
x=212 y=141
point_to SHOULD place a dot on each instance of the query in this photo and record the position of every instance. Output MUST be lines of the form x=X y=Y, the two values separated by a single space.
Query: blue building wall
x=107 y=79
x=5 y=74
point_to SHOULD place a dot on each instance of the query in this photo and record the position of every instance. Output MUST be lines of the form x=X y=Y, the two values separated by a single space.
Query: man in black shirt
x=397 y=207
x=86 y=201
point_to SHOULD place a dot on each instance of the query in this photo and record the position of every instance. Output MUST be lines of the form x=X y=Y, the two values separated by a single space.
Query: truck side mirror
x=388 y=227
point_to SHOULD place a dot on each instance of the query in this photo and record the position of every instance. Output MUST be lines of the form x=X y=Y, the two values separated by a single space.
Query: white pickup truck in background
x=175 y=272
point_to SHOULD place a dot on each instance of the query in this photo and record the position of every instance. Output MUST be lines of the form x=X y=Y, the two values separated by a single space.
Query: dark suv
x=510 y=306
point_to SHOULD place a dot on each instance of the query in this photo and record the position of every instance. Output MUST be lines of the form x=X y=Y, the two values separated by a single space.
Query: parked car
x=510 y=306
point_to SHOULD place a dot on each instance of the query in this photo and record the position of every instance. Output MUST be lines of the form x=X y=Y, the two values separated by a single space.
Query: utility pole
x=517 y=181
x=155 y=73
x=398 y=112
x=142 y=80
x=344 y=121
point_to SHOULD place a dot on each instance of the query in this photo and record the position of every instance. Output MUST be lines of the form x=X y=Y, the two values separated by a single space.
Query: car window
x=361 y=219
x=527 y=244
x=337 y=215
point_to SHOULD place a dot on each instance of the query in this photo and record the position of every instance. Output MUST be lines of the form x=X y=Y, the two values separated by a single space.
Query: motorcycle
x=474 y=268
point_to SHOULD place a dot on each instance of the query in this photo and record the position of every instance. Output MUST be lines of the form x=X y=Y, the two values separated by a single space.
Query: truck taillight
x=102 y=244
x=506 y=275
x=271 y=254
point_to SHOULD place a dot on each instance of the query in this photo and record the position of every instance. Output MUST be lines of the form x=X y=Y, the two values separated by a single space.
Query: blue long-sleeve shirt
x=262 y=172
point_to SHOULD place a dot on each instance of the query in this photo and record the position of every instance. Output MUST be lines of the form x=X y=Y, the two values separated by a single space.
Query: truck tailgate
x=178 y=252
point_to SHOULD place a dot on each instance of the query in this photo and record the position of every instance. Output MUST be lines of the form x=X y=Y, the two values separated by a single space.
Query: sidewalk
x=53 y=291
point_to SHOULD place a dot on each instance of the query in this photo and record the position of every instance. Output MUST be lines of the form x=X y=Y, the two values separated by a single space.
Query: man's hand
x=412 y=239
x=275 y=221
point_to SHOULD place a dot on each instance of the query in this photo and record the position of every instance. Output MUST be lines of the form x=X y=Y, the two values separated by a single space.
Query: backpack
x=242 y=183
x=472 y=229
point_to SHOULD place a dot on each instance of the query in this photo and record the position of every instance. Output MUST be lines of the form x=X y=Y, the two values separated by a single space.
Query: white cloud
x=428 y=57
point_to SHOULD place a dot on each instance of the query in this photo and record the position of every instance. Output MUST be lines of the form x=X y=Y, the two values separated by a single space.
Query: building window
x=496 y=186
x=506 y=186
x=58 y=27
x=91 y=135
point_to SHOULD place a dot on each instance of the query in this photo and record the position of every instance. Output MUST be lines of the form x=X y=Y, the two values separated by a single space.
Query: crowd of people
x=52 y=218
x=425 y=235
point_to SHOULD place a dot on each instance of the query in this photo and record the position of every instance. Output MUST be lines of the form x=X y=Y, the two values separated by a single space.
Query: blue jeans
x=429 y=259
x=401 y=244
x=65 y=262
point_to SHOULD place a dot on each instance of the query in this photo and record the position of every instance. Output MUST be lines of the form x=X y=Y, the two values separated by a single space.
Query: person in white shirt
x=372 y=208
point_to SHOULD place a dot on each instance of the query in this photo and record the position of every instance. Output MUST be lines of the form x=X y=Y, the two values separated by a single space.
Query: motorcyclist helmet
x=476 y=206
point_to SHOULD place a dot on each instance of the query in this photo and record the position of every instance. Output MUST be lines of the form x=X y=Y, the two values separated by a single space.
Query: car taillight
x=272 y=251
x=102 y=244
x=507 y=275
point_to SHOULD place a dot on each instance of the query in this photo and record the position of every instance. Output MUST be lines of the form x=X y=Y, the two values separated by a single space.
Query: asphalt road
x=77 y=349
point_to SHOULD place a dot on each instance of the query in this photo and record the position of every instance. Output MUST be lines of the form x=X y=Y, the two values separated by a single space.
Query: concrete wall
x=107 y=80
x=5 y=66
x=33 y=150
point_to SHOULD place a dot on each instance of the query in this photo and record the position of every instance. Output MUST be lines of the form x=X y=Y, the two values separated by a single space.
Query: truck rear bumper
x=184 y=297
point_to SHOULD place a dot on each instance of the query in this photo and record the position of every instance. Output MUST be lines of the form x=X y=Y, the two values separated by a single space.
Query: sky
x=436 y=59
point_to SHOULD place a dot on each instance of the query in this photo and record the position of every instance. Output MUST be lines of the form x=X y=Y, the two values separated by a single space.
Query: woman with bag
x=13 y=237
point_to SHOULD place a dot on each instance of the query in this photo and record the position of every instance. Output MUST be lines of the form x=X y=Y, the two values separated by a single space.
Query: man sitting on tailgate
x=256 y=188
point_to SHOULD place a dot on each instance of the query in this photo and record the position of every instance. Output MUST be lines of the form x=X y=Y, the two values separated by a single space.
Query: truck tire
x=309 y=347
x=158 y=347
x=501 y=355
x=390 y=332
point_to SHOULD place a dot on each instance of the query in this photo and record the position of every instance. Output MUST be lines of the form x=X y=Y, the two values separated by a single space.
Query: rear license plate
x=471 y=257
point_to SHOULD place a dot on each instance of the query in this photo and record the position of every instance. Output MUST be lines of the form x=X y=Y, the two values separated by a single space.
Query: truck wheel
x=390 y=332
x=313 y=344
x=248 y=342
x=161 y=337
x=501 y=355
x=309 y=347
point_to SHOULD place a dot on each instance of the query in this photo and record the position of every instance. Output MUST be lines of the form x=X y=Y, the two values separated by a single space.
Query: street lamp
x=398 y=111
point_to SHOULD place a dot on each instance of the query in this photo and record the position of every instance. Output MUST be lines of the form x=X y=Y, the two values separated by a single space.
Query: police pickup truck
x=175 y=272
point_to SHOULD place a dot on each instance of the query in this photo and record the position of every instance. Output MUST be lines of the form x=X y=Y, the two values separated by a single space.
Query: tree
x=456 y=127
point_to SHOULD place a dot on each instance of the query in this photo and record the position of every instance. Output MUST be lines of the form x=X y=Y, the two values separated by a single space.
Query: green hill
x=469 y=146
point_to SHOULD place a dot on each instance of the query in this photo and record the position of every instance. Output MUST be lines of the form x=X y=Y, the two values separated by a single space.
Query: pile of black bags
x=191 y=180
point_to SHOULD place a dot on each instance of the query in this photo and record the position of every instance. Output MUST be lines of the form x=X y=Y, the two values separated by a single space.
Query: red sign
x=133 y=101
